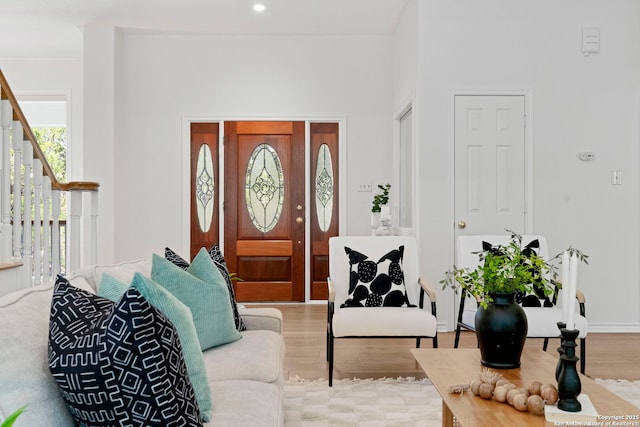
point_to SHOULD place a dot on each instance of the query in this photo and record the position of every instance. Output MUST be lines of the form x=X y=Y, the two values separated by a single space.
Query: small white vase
x=385 y=221
x=385 y=213
x=375 y=222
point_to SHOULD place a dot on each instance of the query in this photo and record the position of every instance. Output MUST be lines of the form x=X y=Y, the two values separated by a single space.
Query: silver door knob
x=461 y=224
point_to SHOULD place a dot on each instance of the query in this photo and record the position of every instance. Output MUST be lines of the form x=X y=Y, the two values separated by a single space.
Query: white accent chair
x=542 y=321
x=377 y=322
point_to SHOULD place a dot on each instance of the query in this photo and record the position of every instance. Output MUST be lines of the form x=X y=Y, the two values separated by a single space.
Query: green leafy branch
x=8 y=422
x=381 y=198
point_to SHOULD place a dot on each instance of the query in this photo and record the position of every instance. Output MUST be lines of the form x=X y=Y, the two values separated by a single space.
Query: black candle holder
x=561 y=326
x=569 y=385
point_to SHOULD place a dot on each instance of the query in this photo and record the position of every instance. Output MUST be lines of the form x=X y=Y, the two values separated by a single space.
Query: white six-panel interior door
x=490 y=178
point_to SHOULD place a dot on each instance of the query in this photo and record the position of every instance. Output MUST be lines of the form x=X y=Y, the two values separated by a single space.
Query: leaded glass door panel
x=324 y=202
x=265 y=209
x=204 y=186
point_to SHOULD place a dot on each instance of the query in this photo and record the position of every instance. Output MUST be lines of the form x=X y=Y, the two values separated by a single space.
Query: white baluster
x=6 y=116
x=55 y=233
x=37 y=222
x=46 y=230
x=94 y=227
x=17 y=189
x=27 y=227
x=74 y=232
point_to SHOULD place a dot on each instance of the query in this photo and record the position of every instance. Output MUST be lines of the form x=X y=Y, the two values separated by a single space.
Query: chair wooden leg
x=435 y=341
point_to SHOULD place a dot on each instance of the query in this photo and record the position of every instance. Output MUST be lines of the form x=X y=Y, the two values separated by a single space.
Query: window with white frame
x=405 y=170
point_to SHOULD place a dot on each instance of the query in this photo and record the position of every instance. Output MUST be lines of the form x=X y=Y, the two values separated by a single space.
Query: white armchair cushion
x=543 y=322
x=383 y=321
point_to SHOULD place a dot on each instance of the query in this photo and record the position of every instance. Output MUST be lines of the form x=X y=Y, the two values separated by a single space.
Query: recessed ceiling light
x=258 y=7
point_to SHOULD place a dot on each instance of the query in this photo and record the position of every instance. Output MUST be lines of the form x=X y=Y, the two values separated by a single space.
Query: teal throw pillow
x=180 y=315
x=208 y=299
x=112 y=288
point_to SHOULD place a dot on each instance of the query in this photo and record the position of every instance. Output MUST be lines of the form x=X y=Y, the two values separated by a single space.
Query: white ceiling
x=52 y=28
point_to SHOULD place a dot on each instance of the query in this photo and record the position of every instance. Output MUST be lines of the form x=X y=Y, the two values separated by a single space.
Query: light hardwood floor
x=608 y=355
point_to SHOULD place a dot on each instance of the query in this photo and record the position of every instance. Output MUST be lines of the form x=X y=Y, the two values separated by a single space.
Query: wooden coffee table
x=449 y=366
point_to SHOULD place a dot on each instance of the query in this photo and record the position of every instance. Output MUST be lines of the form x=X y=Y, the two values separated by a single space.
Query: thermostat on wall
x=587 y=156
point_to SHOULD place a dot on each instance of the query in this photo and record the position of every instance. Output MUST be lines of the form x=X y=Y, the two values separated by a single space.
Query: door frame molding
x=186 y=178
x=408 y=105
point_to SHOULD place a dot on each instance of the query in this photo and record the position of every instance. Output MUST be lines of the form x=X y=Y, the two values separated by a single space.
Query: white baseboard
x=614 y=328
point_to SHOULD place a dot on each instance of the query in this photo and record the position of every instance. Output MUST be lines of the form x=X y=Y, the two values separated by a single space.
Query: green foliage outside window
x=53 y=143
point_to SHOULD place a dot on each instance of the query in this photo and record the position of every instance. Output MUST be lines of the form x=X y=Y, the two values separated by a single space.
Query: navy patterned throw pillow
x=118 y=363
x=218 y=260
x=175 y=259
x=376 y=283
x=221 y=264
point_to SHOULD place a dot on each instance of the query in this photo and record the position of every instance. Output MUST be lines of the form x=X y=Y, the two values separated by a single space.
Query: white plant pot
x=385 y=221
x=375 y=222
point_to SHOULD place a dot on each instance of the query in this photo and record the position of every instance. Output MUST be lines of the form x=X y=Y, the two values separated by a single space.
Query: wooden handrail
x=6 y=93
x=79 y=186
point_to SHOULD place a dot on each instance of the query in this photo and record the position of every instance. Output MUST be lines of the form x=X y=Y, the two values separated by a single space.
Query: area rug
x=383 y=402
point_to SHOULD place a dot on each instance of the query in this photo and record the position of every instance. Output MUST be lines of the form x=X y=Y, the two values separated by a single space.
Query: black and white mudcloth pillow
x=376 y=283
x=175 y=259
x=118 y=363
x=220 y=263
x=218 y=259
x=531 y=300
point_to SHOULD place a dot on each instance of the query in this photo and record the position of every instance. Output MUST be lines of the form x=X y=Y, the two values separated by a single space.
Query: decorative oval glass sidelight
x=324 y=187
x=205 y=187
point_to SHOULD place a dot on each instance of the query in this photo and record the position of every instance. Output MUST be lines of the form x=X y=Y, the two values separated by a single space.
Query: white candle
x=573 y=279
x=565 y=287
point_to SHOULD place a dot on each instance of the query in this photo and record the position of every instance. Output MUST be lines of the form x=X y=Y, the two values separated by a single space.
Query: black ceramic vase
x=501 y=329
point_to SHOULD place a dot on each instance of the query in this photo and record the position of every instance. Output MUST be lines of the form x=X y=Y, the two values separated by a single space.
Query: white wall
x=579 y=104
x=162 y=79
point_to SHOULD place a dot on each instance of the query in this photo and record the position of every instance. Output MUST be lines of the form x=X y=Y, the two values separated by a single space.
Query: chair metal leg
x=417 y=342
x=545 y=344
x=457 y=341
x=327 y=344
x=435 y=341
x=331 y=339
x=583 y=354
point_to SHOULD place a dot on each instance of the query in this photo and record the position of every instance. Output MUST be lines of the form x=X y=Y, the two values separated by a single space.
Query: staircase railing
x=30 y=204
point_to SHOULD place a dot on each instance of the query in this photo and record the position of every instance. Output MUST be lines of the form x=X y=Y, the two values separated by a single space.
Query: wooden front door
x=264 y=208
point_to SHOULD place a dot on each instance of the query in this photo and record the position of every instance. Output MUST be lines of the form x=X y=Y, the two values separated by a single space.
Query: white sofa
x=244 y=376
